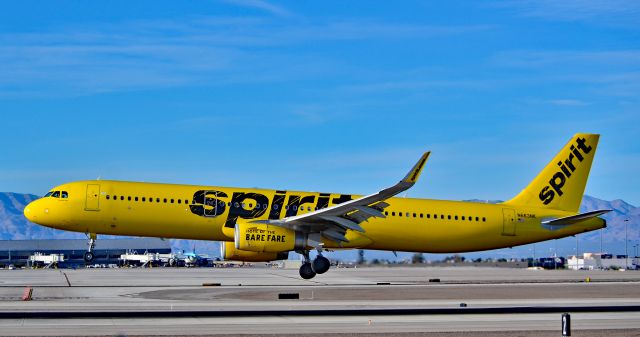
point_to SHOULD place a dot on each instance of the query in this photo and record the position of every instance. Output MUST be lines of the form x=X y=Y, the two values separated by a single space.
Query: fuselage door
x=211 y=204
x=509 y=222
x=93 y=198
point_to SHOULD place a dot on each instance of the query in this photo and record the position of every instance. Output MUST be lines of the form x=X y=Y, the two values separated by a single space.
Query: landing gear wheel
x=320 y=265
x=306 y=272
x=88 y=256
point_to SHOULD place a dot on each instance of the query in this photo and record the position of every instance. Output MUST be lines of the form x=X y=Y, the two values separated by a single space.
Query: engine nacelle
x=229 y=252
x=264 y=238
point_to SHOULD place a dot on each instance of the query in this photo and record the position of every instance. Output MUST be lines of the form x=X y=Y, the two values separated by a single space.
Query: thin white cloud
x=568 y=102
x=615 y=12
x=261 y=5
x=140 y=55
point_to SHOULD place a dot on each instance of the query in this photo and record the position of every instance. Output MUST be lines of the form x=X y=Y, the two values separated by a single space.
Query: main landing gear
x=88 y=255
x=320 y=265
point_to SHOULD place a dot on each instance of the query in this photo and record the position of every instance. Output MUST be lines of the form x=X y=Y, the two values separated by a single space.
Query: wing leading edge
x=333 y=222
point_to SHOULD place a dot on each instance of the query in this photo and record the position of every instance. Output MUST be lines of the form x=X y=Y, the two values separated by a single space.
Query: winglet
x=414 y=174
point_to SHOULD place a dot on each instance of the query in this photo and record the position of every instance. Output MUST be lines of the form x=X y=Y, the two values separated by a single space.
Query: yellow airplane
x=265 y=225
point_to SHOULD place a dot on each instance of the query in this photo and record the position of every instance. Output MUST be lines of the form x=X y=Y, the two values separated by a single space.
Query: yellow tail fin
x=561 y=183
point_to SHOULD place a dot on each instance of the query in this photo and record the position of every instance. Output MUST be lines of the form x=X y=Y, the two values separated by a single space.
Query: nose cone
x=29 y=212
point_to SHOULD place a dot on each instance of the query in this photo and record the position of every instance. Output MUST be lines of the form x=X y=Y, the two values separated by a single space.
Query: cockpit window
x=56 y=194
x=48 y=194
x=64 y=195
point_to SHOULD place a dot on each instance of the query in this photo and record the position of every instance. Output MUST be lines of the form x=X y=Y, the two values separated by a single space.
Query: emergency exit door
x=93 y=198
x=509 y=222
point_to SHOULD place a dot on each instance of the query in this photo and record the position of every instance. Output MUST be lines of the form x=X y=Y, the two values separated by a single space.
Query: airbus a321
x=265 y=225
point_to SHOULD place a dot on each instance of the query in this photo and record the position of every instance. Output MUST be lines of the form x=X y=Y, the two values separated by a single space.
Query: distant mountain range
x=14 y=226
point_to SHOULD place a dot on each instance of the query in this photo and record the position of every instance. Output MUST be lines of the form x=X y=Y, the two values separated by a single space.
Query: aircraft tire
x=88 y=257
x=321 y=265
x=306 y=271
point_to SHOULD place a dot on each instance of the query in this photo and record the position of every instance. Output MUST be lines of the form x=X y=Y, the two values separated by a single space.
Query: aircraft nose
x=31 y=211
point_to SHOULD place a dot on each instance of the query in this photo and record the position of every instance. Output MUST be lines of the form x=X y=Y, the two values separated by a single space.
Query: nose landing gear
x=88 y=255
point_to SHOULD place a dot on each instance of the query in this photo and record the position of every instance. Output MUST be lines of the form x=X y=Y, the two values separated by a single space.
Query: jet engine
x=229 y=252
x=261 y=238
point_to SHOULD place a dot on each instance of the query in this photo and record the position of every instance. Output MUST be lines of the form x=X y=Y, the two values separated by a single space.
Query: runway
x=415 y=301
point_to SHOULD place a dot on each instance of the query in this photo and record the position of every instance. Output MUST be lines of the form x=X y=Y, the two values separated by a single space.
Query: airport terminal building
x=21 y=253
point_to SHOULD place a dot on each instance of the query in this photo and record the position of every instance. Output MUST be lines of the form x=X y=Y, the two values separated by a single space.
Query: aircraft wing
x=554 y=224
x=333 y=222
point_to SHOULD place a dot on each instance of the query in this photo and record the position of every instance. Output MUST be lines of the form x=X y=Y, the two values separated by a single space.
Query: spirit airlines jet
x=265 y=225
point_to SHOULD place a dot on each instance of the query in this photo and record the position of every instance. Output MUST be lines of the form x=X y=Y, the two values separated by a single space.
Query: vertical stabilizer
x=561 y=183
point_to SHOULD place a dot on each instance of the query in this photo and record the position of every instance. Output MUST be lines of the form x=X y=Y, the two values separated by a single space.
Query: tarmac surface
x=406 y=301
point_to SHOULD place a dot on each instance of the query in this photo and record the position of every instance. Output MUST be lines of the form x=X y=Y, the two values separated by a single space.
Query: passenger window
x=186 y=201
x=136 y=198
x=251 y=205
x=150 y=199
x=484 y=219
x=157 y=199
x=456 y=217
x=393 y=213
x=399 y=213
x=477 y=219
x=414 y=215
x=386 y=213
x=128 y=198
x=448 y=217
x=144 y=199
x=463 y=217
x=470 y=218
x=107 y=197
x=428 y=216
x=64 y=195
x=164 y=200
x=172 y=201
x=420 y=215
x=122 y=197
x=179 y=201
x=442 y=216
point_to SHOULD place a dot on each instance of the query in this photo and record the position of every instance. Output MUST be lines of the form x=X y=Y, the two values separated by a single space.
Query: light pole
x=626 y=250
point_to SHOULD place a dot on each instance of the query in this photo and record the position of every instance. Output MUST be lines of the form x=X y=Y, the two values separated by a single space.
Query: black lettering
x=248 y=236
x=206 y=203
x=546 y=195
x=569 y=162
x=342 y=198
x=241 y=212
x=582 y=145
x=293 y=205
x=564 y=169
x=276 y=208
x=557 y=181
x=323 y=200
x=577 y=153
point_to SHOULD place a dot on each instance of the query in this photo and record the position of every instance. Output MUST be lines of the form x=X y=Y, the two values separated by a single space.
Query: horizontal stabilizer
x=554 y=224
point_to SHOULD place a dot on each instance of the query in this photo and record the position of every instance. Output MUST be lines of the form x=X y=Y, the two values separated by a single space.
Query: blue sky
x=325 y=96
